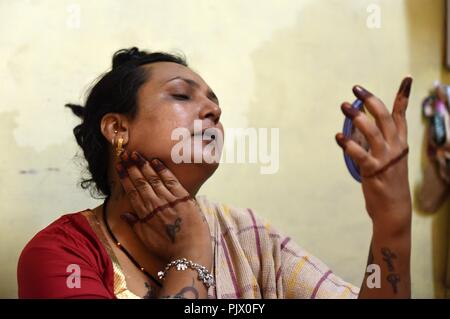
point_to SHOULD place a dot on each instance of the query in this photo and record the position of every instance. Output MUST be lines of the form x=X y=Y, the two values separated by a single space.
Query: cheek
x=152 y=137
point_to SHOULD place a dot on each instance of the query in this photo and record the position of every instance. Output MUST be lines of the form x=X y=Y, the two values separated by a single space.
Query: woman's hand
x=384 y=168
x=384 y=172
x=167 y=219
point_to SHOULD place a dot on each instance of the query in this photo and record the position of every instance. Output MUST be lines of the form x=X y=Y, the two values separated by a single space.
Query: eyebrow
x=210 y=94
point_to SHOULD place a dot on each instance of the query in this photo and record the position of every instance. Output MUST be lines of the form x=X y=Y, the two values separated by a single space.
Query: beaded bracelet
x=183 y=264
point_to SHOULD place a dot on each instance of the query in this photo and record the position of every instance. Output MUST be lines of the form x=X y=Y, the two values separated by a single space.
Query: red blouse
x=49 y=263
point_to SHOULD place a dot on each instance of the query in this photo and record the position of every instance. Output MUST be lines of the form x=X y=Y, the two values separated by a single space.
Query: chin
x=210 y=167
x=193 y=175
x=203 y=170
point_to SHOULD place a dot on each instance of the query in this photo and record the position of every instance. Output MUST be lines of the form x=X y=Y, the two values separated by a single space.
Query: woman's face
x=174 y=97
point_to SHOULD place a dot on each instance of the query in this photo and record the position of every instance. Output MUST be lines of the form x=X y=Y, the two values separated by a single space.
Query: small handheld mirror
x=350 y=131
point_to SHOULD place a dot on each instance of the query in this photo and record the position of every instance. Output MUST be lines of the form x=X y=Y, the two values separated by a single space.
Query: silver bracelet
x=183 y=264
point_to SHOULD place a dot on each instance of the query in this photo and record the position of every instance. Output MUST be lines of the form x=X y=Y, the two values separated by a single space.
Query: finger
x=132 y=193
x=376 y=107
x=169 y=179
x=153 y=179
x=400 y=106
x=367 y=128
x=358 y=154
x=141 y=183
x=148 y=194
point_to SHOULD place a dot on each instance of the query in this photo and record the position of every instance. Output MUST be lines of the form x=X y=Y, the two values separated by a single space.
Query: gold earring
x=119 y=148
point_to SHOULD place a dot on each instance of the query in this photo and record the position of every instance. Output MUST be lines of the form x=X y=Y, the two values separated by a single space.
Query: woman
x=151 y=217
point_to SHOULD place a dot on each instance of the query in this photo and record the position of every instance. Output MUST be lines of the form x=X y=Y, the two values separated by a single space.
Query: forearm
x=183 y=285
x=391 y=251
x=186 y=284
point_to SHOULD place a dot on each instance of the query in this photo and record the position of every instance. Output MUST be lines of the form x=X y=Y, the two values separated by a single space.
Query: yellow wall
x=286 y=64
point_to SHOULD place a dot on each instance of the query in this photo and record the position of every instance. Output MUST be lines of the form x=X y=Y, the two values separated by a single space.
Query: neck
x=117 y=204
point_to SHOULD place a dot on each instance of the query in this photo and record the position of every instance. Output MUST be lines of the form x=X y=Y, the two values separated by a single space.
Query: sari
x=252 y=260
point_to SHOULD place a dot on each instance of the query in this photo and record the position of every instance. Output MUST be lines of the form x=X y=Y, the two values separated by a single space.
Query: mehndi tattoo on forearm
x=388 y=257
x=173 y=229
x=184 y=292
x=393 y=278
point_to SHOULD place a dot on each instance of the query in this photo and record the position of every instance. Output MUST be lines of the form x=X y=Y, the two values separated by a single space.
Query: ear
x=113 y=126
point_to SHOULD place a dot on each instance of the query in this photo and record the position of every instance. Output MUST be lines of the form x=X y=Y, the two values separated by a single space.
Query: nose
x=210 y=110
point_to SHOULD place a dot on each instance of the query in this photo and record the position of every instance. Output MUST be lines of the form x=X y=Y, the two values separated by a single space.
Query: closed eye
x=181 y=97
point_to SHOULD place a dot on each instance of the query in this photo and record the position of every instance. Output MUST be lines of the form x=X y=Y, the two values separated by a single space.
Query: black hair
x=115 y=91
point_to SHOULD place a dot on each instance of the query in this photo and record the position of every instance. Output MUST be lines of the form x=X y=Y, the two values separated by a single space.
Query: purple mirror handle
x=347 y=131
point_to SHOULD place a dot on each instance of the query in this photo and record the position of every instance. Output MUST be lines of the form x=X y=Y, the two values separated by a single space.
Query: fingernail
x=126 y=159
x=138 y=159
x=157 y=165
x=405 y=87
x=341 y=140
x=130 y=218
x=121 y=171
x=361 y=93
x=124 y=156
x=349 y=111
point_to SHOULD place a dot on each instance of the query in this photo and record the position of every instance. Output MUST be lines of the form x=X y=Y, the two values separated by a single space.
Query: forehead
x=161 y=72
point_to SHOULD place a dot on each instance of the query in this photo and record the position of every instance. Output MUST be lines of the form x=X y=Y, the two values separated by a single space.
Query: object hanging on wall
x=447 y=20
x=436 y=182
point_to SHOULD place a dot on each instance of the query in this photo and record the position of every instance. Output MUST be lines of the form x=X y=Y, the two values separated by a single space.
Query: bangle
x=183 y=264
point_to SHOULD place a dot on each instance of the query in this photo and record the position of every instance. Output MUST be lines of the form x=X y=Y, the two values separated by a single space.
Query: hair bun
x=126 y=55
